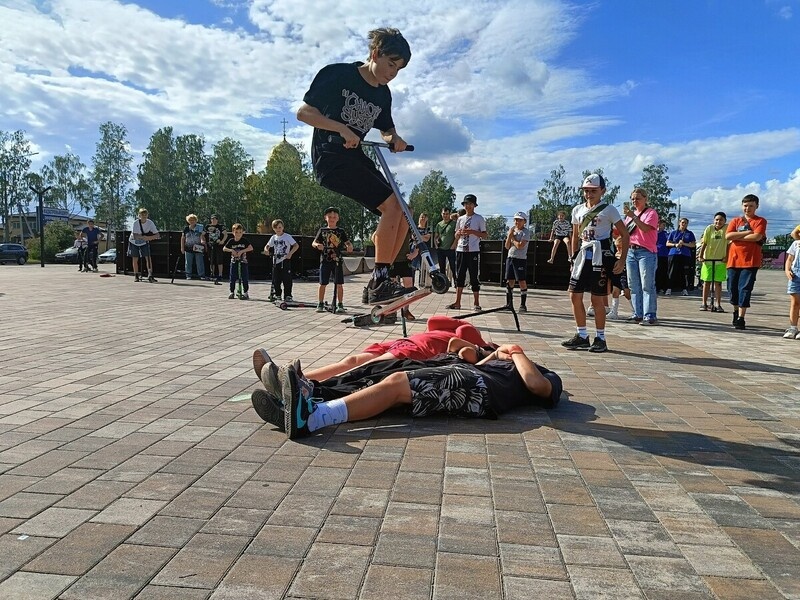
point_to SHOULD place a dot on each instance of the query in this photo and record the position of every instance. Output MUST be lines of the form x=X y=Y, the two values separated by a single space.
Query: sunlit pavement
x=132 y=464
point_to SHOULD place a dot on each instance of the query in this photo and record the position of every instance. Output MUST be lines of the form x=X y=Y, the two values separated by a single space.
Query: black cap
x=331 y=209
x=471 y=198
x=215 y=217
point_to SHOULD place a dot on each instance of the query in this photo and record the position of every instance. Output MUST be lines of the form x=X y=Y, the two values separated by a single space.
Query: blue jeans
x=641 y=265
x=195 y=258
x=740 y=285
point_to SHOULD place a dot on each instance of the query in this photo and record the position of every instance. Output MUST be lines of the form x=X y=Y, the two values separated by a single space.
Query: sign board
x=54 y=214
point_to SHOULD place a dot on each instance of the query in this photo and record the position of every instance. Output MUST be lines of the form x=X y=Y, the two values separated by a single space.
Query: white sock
x=328 y=413
x=614 y=305
x=601 y=333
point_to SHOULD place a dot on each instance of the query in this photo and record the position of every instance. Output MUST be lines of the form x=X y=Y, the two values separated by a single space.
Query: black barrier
x=165 y=253
x=306 y=260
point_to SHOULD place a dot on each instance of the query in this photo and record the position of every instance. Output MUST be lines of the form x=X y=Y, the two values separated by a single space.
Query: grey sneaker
x=576 y=342
x=598 y=345
x=649 y=322
x=320 y=307
x=523 y=308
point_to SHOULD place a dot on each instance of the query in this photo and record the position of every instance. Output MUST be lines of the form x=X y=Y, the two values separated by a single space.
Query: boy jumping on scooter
x=348 y=100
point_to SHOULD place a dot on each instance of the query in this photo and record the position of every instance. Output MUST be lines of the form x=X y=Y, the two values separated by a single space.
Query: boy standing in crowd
x=331 y=240
x=746 y=235
x=281 y=246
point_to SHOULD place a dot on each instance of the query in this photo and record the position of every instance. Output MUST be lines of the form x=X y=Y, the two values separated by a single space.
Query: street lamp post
x=40 y=192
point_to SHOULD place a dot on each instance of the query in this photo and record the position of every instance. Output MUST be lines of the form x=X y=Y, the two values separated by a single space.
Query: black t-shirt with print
x=333 y=239
x=340 y=93
x=215 y=232
x=240 y=245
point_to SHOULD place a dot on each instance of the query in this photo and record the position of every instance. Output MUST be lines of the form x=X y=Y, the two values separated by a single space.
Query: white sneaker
x=613 y=315
x=791 y=333
x=590 y=311
x=668 y=293
x=797 y=337
x=684 y=293
x=608 y=310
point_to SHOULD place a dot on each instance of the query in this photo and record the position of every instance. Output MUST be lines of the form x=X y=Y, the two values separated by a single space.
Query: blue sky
x=497 y=94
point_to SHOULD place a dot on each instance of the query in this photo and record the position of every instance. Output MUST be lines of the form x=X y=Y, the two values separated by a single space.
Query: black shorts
x=401 y=269
x=594 y=279
x=619 y=281
x=455 y=390
x=357 y=178
x=328 y=268
x=135 y=251
x=516 y=268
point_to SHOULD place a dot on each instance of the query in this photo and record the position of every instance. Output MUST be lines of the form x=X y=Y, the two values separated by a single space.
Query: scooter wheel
x=375 y=315
x=439 y=282
x=283 y=306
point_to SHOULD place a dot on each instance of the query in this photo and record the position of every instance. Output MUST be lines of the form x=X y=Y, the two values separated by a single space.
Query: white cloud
x=487 y=97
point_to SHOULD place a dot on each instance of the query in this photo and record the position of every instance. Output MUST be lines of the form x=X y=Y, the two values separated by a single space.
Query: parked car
x=13 y=253
x=70 y=255
x=109 y=256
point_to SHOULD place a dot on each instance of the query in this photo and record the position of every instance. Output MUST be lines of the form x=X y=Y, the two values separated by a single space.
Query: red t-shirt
x=742 y=254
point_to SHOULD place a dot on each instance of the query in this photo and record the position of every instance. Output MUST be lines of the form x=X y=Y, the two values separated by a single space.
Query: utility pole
x=40 y=192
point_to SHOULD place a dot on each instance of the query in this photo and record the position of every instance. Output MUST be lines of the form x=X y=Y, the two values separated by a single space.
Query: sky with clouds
x=497 y=93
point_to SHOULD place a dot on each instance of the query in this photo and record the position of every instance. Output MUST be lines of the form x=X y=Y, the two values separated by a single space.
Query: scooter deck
x=401 y=302
x=378 y=312
x=286 y=304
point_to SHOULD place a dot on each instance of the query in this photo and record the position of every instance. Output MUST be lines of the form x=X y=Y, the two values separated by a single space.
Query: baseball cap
x=521 y=215
x=331 y=209
x=471 y=198
x=215 y=217
x=594 y=181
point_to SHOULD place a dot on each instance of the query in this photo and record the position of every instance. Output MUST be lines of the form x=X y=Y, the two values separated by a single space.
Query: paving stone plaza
x=133 y=466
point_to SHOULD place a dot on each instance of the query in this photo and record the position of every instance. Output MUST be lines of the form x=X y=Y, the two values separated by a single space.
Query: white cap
x=521 y=215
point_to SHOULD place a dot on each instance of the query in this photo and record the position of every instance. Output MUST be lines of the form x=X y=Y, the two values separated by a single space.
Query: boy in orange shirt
x=746 y=235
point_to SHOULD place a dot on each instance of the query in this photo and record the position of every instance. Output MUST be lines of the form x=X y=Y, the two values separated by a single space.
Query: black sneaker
x=297 y=404
x=365 y=295
x=386 y=291
x=217 y=281
x=136 y=279
x=598 y=345
x=269 y=408
x=576 y=342
x=739 y=323
x=230 y=296
x=152 y=279
x=735 y=316
x=523 y=308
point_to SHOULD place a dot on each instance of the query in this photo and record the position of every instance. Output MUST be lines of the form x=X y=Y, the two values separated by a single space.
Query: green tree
x=784 y=240
x=71 y=188
x=58 y=235
x=655 y=181
x=554 y=195
x=496 y=227
x=158 y=181
x=431 y=195
x=230 y=165
x=113 y=201
x=15 y=151
x=193 y=173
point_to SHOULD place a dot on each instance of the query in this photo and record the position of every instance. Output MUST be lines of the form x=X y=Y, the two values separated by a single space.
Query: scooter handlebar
x=337 y=139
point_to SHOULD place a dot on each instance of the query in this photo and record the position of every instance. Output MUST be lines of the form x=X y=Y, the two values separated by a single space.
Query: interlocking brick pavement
x=132 y=467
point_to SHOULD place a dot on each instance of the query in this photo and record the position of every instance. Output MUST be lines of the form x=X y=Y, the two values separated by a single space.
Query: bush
x=57 y=236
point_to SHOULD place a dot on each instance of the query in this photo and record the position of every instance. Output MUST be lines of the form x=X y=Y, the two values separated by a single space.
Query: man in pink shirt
x=642 y=260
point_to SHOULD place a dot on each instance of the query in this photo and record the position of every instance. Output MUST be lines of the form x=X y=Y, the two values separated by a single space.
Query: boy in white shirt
x=281 y=246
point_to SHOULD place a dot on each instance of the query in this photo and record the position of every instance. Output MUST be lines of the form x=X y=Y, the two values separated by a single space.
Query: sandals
x=719 y=309
x=705 y=307
x=453 y=306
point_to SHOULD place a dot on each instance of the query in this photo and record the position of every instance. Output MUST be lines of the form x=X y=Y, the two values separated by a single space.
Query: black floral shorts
x=455 y=390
